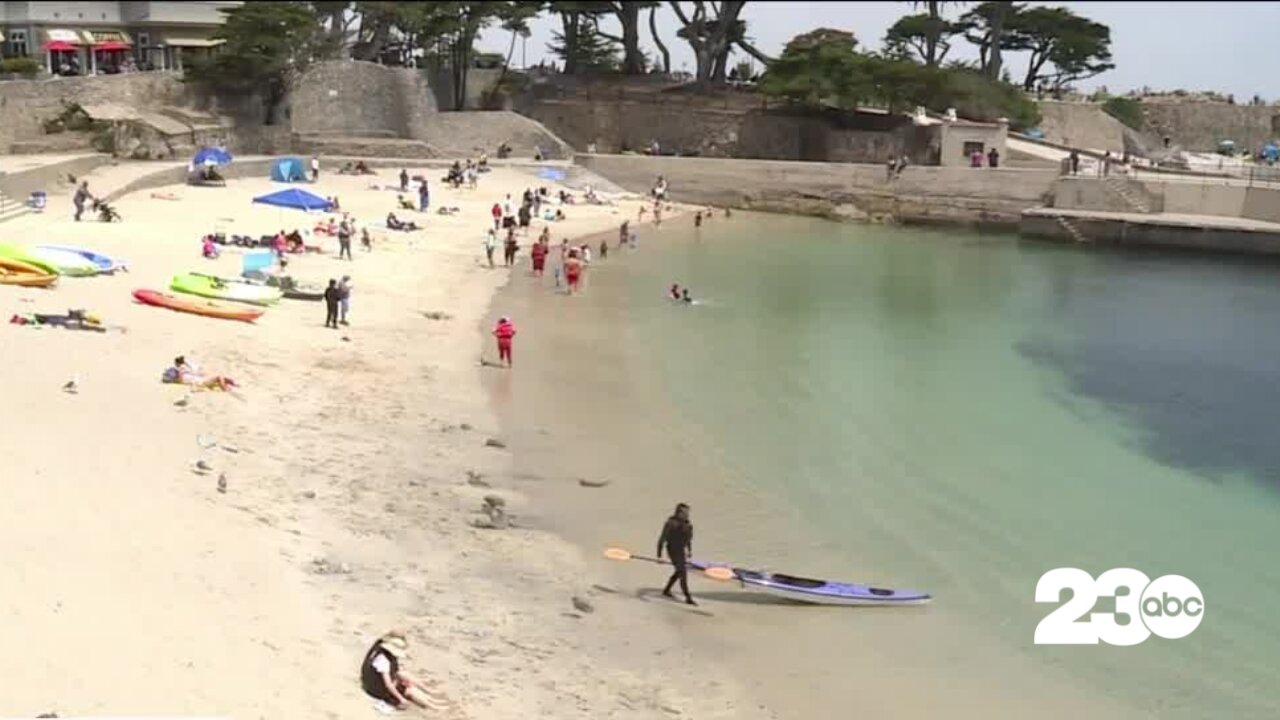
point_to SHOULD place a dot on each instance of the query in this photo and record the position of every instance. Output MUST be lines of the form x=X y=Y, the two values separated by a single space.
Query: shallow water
x=930 y=409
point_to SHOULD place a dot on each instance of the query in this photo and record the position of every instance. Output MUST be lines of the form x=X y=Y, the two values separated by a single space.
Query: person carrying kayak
x=505 y=332
x=677 y=538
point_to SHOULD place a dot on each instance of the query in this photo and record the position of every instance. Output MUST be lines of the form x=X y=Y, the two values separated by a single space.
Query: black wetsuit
x=677 y=538
x=331 y=297
x=371 y=680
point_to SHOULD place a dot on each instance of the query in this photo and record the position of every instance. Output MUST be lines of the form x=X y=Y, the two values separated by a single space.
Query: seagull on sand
x=222 y=482
x=72 y=386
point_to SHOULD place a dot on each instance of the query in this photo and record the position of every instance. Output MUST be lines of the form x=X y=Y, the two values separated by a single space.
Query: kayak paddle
x=715 y=573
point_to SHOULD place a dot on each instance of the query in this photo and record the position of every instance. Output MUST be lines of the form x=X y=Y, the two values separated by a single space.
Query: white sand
x=129 y=585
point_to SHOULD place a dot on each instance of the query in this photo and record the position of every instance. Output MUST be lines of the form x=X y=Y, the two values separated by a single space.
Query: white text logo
x=1170 y=606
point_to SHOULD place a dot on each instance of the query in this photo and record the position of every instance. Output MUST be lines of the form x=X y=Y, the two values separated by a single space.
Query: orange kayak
x=208 y=308
x=16 y=272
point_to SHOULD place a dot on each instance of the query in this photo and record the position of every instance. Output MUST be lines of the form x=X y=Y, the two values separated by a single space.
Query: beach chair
x=38 y=200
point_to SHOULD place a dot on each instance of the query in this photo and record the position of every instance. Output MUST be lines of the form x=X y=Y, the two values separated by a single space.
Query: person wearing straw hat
x=382 y=678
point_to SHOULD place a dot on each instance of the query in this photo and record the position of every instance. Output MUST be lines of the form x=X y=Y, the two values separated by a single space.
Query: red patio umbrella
x=111 y=45
x=59 y=45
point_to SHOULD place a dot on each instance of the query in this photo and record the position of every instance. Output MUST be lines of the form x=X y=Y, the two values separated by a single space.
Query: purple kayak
x=820 y=592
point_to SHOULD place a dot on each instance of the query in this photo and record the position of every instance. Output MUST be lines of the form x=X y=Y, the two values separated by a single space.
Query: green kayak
x=58 y=262
x=225 y=289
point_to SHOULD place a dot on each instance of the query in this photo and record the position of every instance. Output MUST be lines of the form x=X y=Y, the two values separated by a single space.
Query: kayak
x=820 y=592
x=16 y=272
x=105 y=263
x=291 y=289
x=208 y=308
x=62 y=262
x=224 y=289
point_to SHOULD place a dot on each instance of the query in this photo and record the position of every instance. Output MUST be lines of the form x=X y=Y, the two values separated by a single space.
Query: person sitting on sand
x=382 y=678
x=362 y=169
x=208 y=249
x=181 y=373
x=395 y=223
x=405 y=204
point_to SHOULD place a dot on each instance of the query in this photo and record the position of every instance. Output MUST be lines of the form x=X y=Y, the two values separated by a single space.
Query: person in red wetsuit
x=505 y=332
x=573 y=271
x=539 y=256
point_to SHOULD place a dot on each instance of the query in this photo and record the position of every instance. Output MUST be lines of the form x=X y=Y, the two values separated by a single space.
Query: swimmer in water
x=684 y=295
x=675 y=291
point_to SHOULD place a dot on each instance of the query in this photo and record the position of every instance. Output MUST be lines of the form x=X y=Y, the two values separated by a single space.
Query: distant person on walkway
x=1075 y=162
x=890 y=168
x=975 y=159
x=331 y=297
x=1106 y=164
x=505 y=332
x=344 y=240
x=404 y=180
x=897 y=172
x=677 y=538
x=315 y=169
x=81 y=197
x=993 y=158
x=490 y=244
x=424 y=197
x=344 y=299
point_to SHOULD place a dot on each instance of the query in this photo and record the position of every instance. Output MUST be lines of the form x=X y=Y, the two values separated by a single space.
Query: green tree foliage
x=1126 y=110
x=923 y=37
x=986 y=27
x=267 y=45
x=823 y=68
x=579 y=43
x=1064 y=46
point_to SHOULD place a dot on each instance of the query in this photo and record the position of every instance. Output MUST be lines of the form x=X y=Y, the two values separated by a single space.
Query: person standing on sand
x=404 y=180
x=315 y=168
x=344 y=299
x=382 y=679
x=623 y=233
x=677 y=538
x=81 y=197
x=505 y=332
x=604 y=249
x=331 y=297
x=496 y=212
x=490 y=244
x=509 y=248
x=539 y=255
x=573 y=271
x=344 y=239
x=424 y=196
x=657 y=213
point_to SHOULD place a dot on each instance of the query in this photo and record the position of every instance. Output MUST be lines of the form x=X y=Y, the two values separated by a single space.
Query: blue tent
x=288 y=169
x=295 y=199
x=216 y=156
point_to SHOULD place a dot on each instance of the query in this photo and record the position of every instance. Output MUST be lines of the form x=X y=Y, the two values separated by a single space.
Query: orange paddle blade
x=720 y=573
x=617 y=554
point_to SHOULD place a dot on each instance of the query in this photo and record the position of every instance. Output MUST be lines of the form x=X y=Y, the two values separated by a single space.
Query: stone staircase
x=10 y=208
x=1072 y=230
x=1120 y=187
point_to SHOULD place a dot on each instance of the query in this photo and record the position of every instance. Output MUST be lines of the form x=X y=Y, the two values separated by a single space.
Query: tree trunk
x=632 y=59
x=571 y=22
x=994 y=60
x=931 y=38
x=497 y=86
x=657 y=40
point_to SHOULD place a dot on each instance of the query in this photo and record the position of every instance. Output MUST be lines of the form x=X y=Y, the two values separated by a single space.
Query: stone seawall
x=943 y=195
x=361 y=99
x=1200 y=126
x=26 y=104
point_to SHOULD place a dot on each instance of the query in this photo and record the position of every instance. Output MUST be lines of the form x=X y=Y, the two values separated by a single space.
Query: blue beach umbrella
x=217 y=156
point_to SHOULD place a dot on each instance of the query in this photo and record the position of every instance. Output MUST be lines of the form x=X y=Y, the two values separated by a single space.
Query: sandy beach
x=356 y=464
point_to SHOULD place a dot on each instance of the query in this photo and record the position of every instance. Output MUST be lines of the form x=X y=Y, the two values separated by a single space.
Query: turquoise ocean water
x=934 y=409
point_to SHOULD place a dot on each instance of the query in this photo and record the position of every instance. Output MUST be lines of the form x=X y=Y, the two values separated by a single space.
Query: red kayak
x=208 y=308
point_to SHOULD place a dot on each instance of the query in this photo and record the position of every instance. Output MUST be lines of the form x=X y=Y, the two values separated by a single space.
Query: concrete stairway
x=10 y=208
x=1120 y=187
x=1072 y=230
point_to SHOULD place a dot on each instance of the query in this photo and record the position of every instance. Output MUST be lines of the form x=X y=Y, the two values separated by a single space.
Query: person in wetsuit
x=677 y=537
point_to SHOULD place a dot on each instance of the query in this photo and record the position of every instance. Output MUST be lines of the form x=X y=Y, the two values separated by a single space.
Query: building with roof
x=86 y=38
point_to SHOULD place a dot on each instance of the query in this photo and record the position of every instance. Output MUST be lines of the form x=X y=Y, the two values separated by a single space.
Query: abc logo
x=1171 y=607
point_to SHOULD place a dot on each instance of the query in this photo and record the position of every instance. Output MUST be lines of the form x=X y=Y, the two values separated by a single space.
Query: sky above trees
x=1225 y=46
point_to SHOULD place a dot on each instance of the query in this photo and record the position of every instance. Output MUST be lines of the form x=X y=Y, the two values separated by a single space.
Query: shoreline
x=347 y=510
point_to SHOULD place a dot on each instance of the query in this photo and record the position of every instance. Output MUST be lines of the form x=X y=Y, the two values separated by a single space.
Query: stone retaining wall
x=944 y=195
